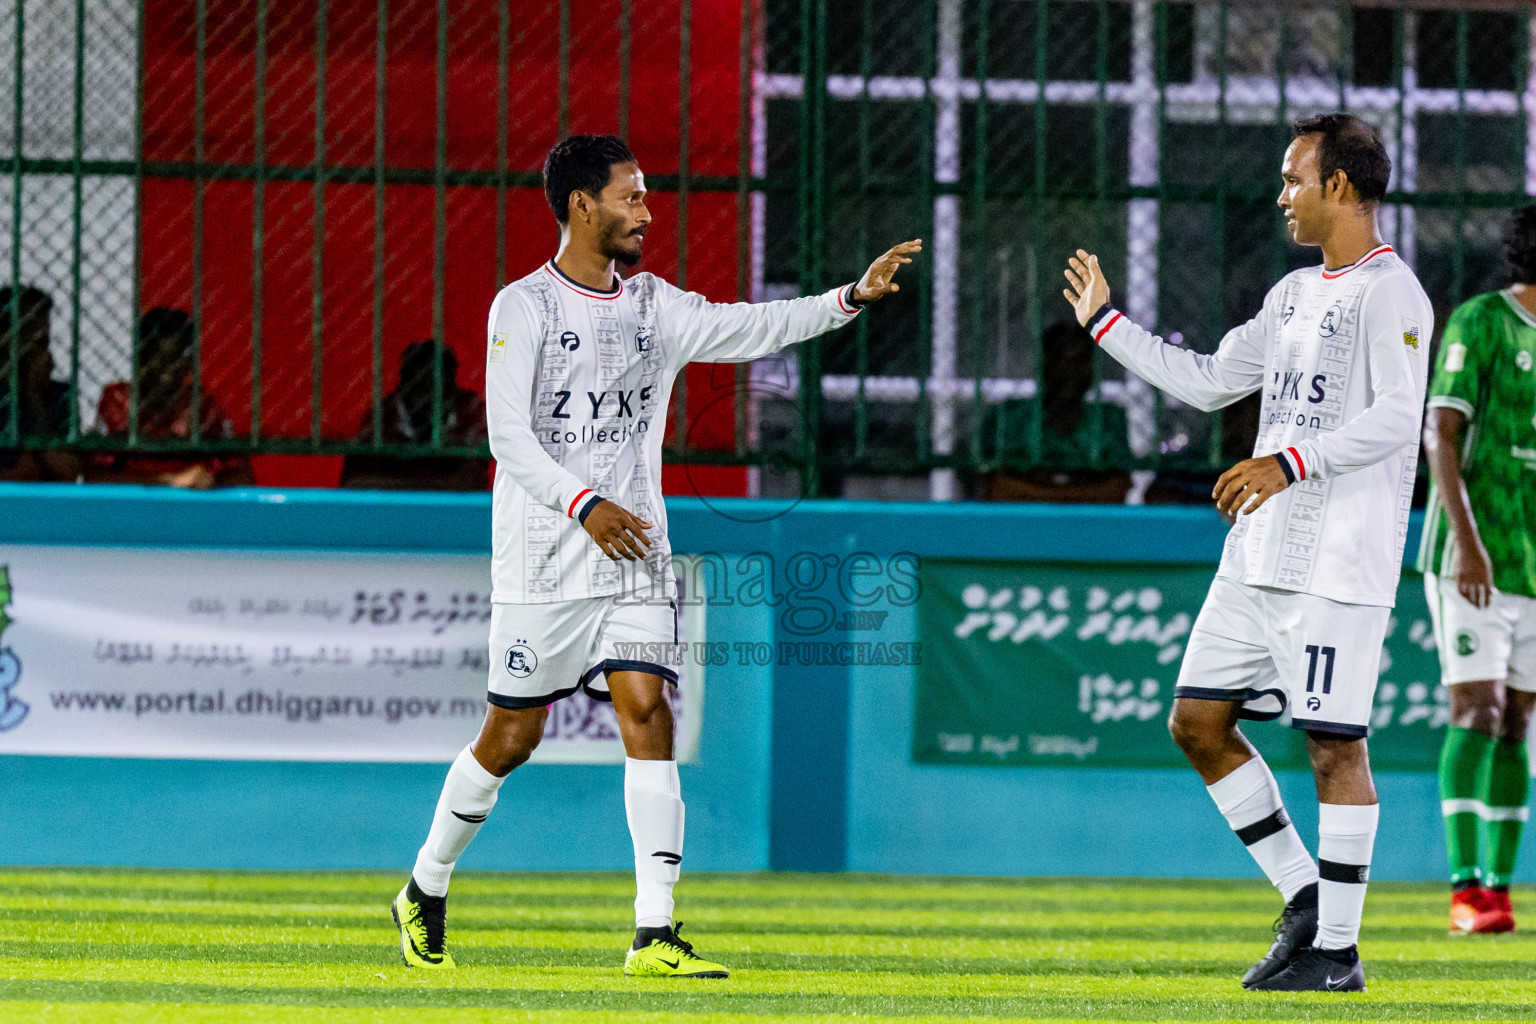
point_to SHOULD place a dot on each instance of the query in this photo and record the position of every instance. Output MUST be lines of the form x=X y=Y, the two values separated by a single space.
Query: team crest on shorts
x=521 y=661
x=1466 y=643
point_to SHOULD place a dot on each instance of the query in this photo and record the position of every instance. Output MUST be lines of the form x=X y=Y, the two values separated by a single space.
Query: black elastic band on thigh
x=1210 y=693
x=1350 y=874
x=1354 y=732
x=1251 y=715
x=502 y=700
x=648 y=667
x=1264 y=827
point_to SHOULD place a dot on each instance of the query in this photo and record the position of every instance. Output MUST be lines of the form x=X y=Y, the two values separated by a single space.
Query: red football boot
x=1497 y=915
x=1466 y=905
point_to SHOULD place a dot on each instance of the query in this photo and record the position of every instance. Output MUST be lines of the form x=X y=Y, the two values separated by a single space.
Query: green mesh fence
x=370 y=169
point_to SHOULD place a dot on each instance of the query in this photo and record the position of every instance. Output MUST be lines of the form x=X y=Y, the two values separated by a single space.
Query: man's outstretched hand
x=877 y=280
x=1088 y=290
x=1247 y=485
x=618 y=531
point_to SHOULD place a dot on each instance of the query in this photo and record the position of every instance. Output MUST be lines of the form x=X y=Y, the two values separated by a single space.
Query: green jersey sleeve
x=1462 y=362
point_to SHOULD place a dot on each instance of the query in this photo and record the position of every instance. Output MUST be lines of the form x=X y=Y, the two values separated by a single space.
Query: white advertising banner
x=269 y=655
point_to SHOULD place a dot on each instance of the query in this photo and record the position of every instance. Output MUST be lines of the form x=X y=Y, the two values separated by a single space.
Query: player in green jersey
x=1478 y=557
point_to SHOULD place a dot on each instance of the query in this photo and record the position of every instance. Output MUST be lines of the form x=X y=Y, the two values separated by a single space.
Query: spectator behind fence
x=166 y=344
x=1066 y=470
x=43 y=411
x=1239 y=431
x=407 y=415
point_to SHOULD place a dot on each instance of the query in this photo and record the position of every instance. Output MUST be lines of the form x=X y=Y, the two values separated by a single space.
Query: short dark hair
x=416 y=364
x=165 y=333
x=1350 y=145
x=582 y=162
x=1520 y=246
x=31 y=302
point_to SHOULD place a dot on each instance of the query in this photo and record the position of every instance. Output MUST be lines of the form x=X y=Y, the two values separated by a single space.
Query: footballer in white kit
x=1297 y=614
x=579 y=370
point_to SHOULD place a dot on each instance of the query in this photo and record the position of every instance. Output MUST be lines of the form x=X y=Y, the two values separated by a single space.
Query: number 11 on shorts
x=1327 y=652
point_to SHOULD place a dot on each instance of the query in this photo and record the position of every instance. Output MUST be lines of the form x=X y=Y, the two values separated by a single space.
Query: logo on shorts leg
x=1314 y=704
x=1466 y=643
x=521 y=661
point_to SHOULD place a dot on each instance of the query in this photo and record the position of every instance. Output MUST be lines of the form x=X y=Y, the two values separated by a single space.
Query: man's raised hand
x=1088 y=290
x=618 y=531
x=877 y=280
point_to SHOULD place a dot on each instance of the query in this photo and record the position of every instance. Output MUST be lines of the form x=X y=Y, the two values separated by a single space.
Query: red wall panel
x=469 y=283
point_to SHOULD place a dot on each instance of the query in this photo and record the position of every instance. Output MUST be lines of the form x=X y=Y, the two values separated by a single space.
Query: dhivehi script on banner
x=268 y=655
x=1047 y=664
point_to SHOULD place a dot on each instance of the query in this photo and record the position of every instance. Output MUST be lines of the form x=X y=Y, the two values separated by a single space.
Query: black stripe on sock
x=473 y=819
x=1264 y=827
x=1351 y=874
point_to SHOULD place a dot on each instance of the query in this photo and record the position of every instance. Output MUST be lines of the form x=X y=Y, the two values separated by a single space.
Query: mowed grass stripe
x=1404 y=921
x=699 y=998
x=996 y=921
x=1191 y=943
x=156 y=927
x=1514 y=967
x=182 y=1013
x=760 y=982
x=799 y=947
x=1197 y=945
x=765 y=889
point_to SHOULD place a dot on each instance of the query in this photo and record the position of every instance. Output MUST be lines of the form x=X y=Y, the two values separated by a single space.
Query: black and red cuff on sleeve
x=1291 y=465
x=847 y=302
x=582 y=505
x=1102 y=320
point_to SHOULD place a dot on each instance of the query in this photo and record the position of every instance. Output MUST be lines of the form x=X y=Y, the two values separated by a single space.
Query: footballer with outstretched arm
x=579 y=373
x=1300 y=605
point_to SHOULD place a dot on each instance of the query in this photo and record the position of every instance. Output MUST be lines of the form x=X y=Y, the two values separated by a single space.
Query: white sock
x=468 y=796
x=1250 y=801
x=653 y=803
x=1345 y=835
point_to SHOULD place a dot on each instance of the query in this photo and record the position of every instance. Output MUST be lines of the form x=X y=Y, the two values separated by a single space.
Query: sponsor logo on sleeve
x=1455 y=357
x=1410 y=332
x=498 y=348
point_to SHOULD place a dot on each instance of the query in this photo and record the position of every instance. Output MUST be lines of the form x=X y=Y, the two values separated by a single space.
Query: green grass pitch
x=164 y=946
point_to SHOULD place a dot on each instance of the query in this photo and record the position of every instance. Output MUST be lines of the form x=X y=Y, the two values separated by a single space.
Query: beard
x=624 y=248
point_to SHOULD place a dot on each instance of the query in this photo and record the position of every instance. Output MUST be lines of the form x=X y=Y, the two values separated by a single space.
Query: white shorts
x=1496 y=642
x=1273 y=649
x=541 y=653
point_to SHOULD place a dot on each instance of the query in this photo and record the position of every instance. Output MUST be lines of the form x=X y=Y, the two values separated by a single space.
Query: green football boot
x=659 y=953
x=422 y=920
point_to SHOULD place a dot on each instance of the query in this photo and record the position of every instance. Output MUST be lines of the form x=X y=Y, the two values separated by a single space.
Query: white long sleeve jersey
x=1341 y=357
x=577 y=386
